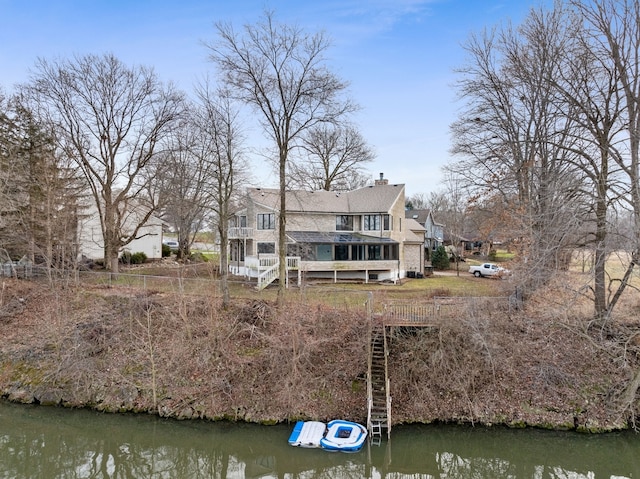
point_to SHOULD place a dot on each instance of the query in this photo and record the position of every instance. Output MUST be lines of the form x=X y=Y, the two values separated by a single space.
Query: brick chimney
x=381 y=181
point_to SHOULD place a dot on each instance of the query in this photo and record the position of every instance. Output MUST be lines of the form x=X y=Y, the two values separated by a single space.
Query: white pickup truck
x=487 y=269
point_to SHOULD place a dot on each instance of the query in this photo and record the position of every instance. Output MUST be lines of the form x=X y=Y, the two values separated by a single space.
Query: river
x=44 y=443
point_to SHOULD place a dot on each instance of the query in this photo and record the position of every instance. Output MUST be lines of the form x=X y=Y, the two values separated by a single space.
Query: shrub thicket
x=133 y=258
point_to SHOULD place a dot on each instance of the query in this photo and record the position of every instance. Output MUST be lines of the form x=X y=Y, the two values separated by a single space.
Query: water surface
x=44 y=442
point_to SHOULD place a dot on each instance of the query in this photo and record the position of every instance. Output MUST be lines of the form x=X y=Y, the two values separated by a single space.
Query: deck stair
x=379 y=400
x=270 y=270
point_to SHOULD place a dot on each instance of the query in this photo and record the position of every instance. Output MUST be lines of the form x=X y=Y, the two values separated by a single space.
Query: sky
x=398 y=56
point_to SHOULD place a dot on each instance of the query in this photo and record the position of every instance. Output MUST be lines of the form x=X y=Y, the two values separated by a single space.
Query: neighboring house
x=355 y=235
x=458 y=244
x=91 y=243
x=434 y=232
x=414 y=250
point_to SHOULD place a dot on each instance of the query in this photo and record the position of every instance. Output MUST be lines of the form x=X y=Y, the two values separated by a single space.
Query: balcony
x=240 y=233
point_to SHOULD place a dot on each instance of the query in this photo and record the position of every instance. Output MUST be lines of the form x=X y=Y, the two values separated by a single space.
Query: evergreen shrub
x=440 y=258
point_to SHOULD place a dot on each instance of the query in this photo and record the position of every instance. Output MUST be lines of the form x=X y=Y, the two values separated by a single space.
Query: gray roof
x=421 y=216
x=414 y=231
x=322 y=237
x=370 y=199
x=414 y=225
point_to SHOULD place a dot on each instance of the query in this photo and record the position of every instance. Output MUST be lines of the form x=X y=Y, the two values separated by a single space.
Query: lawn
x=442 y=283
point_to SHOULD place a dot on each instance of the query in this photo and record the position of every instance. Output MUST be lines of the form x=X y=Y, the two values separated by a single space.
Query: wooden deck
x=437 y=310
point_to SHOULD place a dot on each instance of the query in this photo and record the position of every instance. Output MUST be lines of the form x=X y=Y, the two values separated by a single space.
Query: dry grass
x=535 y=367
x=181 y=355
x=449 y=283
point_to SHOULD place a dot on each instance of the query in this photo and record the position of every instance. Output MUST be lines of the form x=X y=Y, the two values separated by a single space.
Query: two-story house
x=355 y=235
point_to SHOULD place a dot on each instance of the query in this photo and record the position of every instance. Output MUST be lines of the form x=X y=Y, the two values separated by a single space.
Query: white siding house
x=91 y=242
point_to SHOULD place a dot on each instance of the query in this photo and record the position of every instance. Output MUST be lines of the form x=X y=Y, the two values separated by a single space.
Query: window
x=306 y=252
x=238 y=221
x=390 y=251
x=266 y=221
x=371 y=223
x=374 y=251
x=344 y=223
x=266 y=248
x=341 y=252
x=323 y=252
x=387 y=222
x=357 y=252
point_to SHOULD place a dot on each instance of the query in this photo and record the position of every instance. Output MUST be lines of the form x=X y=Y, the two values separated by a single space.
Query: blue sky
x=397 y=55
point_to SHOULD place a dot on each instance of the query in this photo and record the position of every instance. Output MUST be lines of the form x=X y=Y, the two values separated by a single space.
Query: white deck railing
x=268 y=276
x=267 y=268
x=257 y=264
x=293 y=262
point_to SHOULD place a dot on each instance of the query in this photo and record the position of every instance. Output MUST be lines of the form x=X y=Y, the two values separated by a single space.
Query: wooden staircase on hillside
x=379 y=400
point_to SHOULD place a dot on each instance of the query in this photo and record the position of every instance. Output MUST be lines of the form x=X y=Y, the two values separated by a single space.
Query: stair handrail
x=268 y=276
x=387 y=382
x=369 y=379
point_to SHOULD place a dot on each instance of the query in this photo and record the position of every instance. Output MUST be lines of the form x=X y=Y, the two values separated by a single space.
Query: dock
x=396 y=315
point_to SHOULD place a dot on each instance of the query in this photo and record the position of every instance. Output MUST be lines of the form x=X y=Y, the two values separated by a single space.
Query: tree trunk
x=223 y=227
x=282 y=229
x=628 y=396
x=600 y=250
x=115 y=265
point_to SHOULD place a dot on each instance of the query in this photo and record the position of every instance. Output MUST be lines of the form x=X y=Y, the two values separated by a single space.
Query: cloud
x=360 y=20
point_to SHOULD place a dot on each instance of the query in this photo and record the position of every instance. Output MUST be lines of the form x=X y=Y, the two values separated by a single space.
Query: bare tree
x=334 y=157
x=417 y=201
x=112 y=120
x=587 y=89
x=516 y=138
x=281 y=72
x=181 y=176
x=613 y=32
x=613 y=38
x=555 y=109
x=221 y=149
x=455 y=213
x=11 y=200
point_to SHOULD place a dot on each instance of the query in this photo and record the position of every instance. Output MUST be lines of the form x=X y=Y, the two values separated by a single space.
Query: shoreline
x=185 y=358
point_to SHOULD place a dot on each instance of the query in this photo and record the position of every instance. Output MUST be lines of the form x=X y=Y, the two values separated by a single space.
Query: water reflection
x=56 y=443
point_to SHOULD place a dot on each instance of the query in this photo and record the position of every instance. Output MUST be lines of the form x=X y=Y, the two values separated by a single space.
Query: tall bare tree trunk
x=282 y=231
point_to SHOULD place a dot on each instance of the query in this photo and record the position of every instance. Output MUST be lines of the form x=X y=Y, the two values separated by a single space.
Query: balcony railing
x=240 y=233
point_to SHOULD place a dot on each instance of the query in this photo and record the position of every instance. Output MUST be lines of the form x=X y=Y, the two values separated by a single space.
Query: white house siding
x=149 y=241
x=414 y=246
x=91 y=241
x=261 y=235
x=399 y=231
